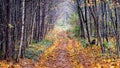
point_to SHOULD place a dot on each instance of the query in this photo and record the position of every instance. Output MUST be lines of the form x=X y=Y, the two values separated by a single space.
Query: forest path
x=65 y=52
x=68 y=52
x=61 y=53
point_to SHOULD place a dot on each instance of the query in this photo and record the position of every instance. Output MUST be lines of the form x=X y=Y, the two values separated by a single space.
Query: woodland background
x=26 y=25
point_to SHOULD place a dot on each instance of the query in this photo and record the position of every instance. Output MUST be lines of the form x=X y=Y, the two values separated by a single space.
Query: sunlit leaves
x=73 y=1
x=17 y=66
x=78 y=56
x=10 y=26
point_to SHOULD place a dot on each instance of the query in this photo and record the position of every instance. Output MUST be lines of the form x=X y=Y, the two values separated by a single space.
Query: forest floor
x=66 y=52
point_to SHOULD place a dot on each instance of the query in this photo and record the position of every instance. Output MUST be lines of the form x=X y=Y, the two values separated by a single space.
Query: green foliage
x=83 y=42
x=35 y=49
x=73 y=19
x=69 y=30
x=107 y=44
x=45 y=42
x=34 y=41
x=31 y=54
x=61 y=24
x=77 y=31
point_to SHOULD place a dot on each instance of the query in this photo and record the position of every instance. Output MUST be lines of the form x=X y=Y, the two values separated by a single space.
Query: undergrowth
x=35 y=49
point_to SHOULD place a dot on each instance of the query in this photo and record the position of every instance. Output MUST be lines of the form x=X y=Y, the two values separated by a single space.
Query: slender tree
x=22 y=31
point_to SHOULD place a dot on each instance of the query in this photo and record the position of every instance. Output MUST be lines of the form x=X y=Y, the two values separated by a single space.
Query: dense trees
x=99 y=18
x=21 y=23
x=25 y=21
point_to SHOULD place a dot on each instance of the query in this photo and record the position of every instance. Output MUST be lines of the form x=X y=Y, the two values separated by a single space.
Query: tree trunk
x=22 y=31
x=86 y=22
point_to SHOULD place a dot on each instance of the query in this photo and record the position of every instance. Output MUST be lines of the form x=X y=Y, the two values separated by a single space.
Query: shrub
x=83 y=42
x=77 y=31
x=34 y=50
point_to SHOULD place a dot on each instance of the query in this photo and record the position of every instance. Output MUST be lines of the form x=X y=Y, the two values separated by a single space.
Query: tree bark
x=22 y=31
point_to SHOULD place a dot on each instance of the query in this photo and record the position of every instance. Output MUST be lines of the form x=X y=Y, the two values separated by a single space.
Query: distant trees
x=99 y=18
x=21 y=23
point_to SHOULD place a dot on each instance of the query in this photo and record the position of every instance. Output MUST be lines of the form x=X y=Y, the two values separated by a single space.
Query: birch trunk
x=22 y=31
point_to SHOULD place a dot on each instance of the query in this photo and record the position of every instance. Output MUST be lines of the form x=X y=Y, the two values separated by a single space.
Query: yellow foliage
x=73 y=1
x=66 y=51
x=10 y=26
x=16 y=66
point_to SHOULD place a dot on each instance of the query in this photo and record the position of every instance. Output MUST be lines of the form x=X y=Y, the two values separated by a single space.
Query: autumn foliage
x=66 y=52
